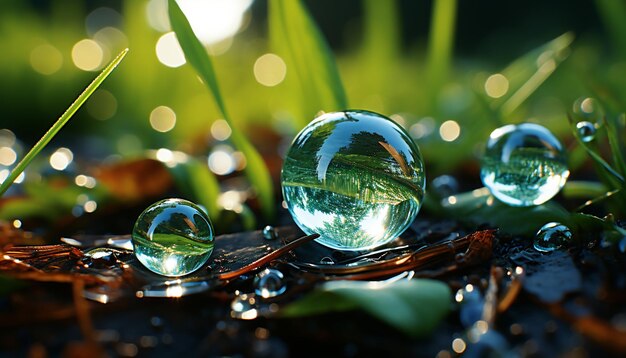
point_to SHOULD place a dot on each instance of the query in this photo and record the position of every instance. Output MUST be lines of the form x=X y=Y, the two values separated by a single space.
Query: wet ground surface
x=570 y=303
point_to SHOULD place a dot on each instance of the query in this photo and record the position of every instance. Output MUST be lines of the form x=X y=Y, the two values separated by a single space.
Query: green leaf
x=56 y=127
x=256 y=171
x=480 y=207
x=414 y=307
x=194 y=179
x=299 y=42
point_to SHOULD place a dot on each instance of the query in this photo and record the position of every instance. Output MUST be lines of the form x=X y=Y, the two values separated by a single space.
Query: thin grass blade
x=56 y=127
x=597 y=158
x=528 y=72
x=296 y=38
x=256 y=171
x=440 y=43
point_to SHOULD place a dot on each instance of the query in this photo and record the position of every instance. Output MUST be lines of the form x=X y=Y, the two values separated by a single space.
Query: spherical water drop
x=173 y=237
x=269 y=283
x=354 y=177
x=524 y=165
x=586 y=131
x=552 y=236
x=269 y=233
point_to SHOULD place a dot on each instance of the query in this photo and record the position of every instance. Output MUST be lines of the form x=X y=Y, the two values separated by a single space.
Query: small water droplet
x=173 y=237
x=101 y=257
x=524 y=165
x=355 y=177
x=586 y=131
x=244 y=307
x=269 y=283
x=269 y=233
x=445 y=185
x=552 y=236
x=327 y=261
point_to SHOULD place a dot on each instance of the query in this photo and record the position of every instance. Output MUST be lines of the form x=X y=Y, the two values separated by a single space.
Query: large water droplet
x=552 y=236
x=173 y=237
x=586 y=131
x=524 y=165
x=355 y=177
x=269 y=283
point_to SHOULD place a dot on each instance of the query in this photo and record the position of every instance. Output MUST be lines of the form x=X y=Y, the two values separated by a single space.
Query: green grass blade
x=256 y=170
x=296 y=38
x=440 y=43
x=526 y=74
x=614 y=144
x=611 y=174
x=194 y=179
x=56 y=127
x=612 y=13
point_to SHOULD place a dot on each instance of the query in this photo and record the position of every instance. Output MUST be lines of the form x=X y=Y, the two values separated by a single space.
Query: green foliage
x=414 y=307
x=56 y=127
x=296 y=38
x=195 y=180
x=256 y=170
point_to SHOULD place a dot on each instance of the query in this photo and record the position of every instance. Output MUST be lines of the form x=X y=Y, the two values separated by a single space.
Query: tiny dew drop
x=269 y=233
x=586 y=131
x=354 y=177
x=269 y=283
x=173 y=237
x=552 y=236
x=524 y=165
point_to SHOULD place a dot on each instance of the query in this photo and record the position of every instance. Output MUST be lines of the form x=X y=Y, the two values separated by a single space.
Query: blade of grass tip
x=547 y=62
x=296 y=37
x=256 y=171
x=56 y=127
x=595 y=156
x=440 y=43
x=616 y=150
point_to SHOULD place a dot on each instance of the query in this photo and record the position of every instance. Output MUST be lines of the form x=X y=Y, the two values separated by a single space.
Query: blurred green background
x=449 y=71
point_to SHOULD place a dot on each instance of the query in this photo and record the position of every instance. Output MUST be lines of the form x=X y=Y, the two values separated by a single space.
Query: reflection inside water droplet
x=524 y=165
x=173 y=237
x=586 y=131
x=354 y=177
x=269 y=283
x=552 y=236
x=174 y=288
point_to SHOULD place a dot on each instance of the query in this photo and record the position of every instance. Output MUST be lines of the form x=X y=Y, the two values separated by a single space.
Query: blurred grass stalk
x=256 y=171
x=56 y=127
x=440 y=44
x=613 y=13
x=295 y=37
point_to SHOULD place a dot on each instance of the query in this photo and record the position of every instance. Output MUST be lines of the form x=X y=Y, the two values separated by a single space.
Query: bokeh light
x=496 y=85
x=449 y=131
x=162 y=119
x=221 y=160
x=220 y=129
x=168 y=51
x=87 y=55
x=46 y=59
x=61 y=159
x=270 y=70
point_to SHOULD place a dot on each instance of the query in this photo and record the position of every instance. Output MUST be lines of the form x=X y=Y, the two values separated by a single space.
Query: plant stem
x=56 y=127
